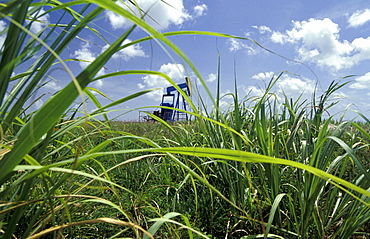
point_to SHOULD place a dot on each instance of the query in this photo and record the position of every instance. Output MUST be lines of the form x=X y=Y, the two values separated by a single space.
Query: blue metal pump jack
x=172 y=99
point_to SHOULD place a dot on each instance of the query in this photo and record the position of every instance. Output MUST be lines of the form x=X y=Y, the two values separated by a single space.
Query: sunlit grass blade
x=97 y=220
x=182 y=226
x=43 y=65
x=12 y=46
x=154 y=228
x=51 y=111
x=255 y=158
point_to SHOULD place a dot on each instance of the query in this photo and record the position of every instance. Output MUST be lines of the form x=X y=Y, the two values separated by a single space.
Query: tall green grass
x=262 y=168
x=41 y=152
x=300 y=196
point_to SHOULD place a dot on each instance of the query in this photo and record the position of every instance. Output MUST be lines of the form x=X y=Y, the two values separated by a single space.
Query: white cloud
x=318 y=41
x=53 y=85
x=200 y=10
x=175 y=71
x=288 y=85
x=264 y=76
x=117 y=21
x=253 y=91
x=236 y=45
x=211 y=77
x=361 y=47
x=39 y=22
x=340 y=95
x=2 y=25
x=98 y=83
x=291 y=86
x=224 y=104
x=87 y=56
x=37 y=104
x=226 y=100
x=160 y=14
x=129 y=52
x=279 y=37
x=359 y=18
x=362 y=82
x=2 y=37
x=262 y=29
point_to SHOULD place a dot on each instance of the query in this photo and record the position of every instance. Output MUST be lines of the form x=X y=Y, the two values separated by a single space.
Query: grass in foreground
x=261 y=169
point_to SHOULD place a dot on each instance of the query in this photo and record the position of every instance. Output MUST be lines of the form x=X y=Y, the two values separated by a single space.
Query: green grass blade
x=50 y=112
x=353 y=156
x=274 y=208
x=255 y=158
x=155 y=227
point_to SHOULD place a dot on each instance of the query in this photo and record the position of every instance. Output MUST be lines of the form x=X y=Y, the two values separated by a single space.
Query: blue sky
x=331 y=39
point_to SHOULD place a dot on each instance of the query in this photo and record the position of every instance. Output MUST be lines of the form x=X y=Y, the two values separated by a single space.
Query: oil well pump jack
x=173 y=99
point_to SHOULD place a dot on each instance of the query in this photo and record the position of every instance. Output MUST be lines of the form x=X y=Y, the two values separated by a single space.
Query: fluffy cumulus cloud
x=362 y=82
x=38 y=104
x=262 y=29
x=293 y=87
x=200 y=10
x=289 y=85
x=160 y=14
x=40 y=21
x=115 y=20
x=359 y=18
x=129 y=52
x=318 y=41
x=264 y=76
x=175 y=71
x=226 y=100
x=2 y=37
x=53 y=86
x=86 y=56
x=340 y=95
x=236 y=45
x=211 y=77
x=252 y=91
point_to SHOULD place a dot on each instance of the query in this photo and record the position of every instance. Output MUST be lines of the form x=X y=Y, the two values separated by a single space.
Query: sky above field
x=313 y=42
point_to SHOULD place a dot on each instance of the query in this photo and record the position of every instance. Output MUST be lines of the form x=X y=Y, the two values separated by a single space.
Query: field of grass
x=260 y=169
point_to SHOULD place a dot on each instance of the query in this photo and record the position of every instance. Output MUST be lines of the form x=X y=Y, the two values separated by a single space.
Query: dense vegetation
x=263 y=168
